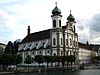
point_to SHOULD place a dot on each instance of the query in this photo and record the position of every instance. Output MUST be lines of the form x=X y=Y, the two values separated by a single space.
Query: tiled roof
x=85 y=46
x=37 y=36
x=2 y=44
x=89 y=46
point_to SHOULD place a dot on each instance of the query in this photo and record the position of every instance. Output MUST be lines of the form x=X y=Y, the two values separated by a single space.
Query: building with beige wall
x=2 y=47
x=86 y=52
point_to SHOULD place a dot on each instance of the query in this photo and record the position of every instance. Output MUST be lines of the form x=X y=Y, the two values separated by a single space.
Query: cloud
x=95 y=23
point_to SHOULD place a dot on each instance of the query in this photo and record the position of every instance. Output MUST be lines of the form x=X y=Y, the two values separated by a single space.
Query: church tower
x=72 y=36
x=56 y=32
x=71 y=22
x=56 y=17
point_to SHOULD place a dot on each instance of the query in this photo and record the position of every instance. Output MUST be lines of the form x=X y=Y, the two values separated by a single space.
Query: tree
x=16 y=43
x=47 y=59
x=28 y=60
x=9 y=59
x=63 y=59
x=71 y=59
x=9 y=48
x=39 y=59
x=18 y=59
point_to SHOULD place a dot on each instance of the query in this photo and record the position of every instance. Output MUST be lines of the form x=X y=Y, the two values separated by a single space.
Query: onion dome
x=70 y=17
x=56 y=11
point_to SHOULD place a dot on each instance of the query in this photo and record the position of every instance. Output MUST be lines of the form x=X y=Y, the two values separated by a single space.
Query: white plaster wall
x=57 y=18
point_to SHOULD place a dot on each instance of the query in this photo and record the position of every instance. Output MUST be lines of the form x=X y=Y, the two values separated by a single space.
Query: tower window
x=54 y=23
x=70 y=42
x=59 y=23
x=54 y=41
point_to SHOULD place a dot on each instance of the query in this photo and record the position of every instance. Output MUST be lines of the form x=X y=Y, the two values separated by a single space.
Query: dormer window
x=30 y=46
x=40 y=52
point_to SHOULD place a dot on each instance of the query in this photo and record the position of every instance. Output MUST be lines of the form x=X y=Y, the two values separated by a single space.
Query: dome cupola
x=56 y=10
x=70 y=17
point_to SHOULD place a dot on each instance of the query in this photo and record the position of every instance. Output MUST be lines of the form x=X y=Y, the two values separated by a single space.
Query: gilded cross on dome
x=56 y=3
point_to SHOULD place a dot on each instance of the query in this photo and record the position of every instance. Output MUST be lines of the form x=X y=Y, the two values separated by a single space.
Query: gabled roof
x=37 y=36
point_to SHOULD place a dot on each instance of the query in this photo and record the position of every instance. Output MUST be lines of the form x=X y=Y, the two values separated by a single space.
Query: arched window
x=54 y=54
x=54 y=23
x=61 y=41
x=54 y=41
x=66 y=41
x=40 y=52
x=73 y=43
x=61 y=53
x=59 y=23
x=70 y=42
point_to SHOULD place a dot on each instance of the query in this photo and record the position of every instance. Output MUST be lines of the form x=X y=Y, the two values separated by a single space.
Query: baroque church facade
x=57 y=41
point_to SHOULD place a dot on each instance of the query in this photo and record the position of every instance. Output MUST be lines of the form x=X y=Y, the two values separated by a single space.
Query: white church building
x=57 y=41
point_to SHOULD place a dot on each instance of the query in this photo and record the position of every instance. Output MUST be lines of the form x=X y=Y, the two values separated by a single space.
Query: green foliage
x=47 y=59
x=39 y=59
x=9 y=48
x=18 y=59
x=28 y=59
x=10 y=59
x=16 y=46
x=95 y=59
x=71 y=58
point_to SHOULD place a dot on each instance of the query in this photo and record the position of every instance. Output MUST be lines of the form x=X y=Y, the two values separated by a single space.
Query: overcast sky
x=17 y=15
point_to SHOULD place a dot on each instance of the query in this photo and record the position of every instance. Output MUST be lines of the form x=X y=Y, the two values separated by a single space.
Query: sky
x=17 y=15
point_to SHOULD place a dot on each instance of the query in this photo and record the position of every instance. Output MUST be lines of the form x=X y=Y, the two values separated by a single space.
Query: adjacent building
x=2 y=48
x=86 y=52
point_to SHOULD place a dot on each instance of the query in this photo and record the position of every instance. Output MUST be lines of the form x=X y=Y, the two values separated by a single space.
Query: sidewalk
x=5 y=73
